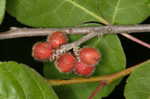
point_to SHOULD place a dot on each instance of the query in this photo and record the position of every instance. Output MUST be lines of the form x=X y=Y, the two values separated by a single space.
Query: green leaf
x=18 y=81
x=2 y=9
x=54 y=13
x=124 y=11
x=149 y=6
x=113 y=60
x=138 y=83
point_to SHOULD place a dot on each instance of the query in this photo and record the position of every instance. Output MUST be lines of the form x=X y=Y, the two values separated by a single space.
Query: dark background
x=19 y=50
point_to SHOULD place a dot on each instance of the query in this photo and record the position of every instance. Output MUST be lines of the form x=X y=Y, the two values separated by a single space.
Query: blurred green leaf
x=2 y=9
x=124 y=11
x=138 y=83
x=18 y=81
x=113 y=60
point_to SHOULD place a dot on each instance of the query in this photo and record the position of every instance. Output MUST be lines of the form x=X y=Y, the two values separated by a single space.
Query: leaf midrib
x=100 y=19
x=115 y=11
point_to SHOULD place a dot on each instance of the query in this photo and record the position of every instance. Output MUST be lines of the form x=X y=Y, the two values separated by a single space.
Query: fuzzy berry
x=56 y=39
x=89 y=56
x=42 y=51
x=65 y=62
x=83 y=69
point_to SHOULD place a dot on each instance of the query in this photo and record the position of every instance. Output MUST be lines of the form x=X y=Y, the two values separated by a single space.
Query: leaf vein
x=115 y=11
x=86 y=10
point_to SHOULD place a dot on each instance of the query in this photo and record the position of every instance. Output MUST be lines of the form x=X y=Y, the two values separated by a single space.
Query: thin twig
x=67 y=47
x=136 y=40
x=98 y=88
x=31 y=32
x=108 y=78
x=130 y=37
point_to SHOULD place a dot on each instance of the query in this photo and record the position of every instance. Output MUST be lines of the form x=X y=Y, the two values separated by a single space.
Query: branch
x=107 y=78
x=32 y=32
x=134 y=39
x=73 y=45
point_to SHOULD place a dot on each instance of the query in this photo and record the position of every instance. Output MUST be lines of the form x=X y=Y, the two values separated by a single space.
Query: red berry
x=65 y=62
x=84 y=69
x=56 y=39
x=89 y=56
x=42 y=51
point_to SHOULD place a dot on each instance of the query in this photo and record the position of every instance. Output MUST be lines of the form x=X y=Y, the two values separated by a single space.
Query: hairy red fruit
x=89 y=56
x=65 y=62
x=42 y=51
x=84 y=69
x=56 y=39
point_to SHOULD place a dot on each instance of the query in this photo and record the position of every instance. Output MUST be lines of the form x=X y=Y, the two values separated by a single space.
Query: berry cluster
x=82 y=64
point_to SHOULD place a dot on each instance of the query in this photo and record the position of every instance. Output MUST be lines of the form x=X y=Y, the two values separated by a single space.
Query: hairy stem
x=32 y=32
x=67 y=47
